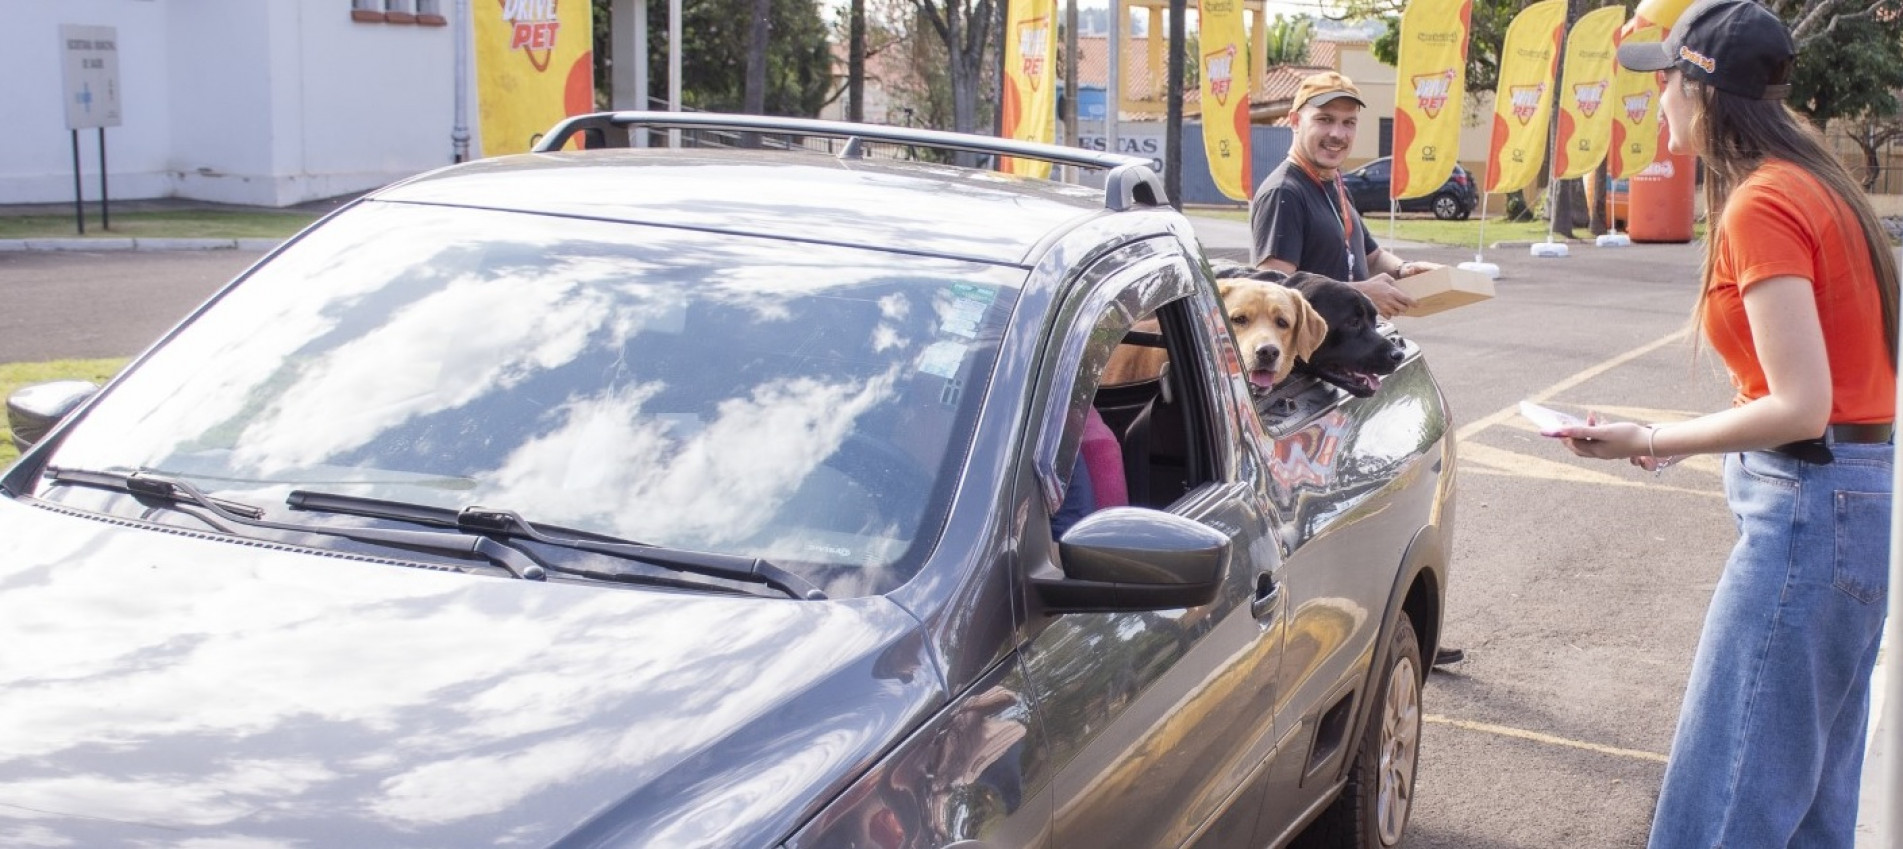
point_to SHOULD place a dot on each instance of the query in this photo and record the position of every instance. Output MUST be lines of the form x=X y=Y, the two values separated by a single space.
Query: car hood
x=179 y=689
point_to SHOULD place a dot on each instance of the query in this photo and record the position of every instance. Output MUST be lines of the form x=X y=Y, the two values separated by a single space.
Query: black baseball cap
x=1735 y=46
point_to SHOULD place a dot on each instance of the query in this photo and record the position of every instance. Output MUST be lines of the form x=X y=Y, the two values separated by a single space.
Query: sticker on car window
x=942 y=359
x=967 y=309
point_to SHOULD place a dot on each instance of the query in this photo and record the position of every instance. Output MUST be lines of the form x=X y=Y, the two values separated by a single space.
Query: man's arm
x=1383 y=261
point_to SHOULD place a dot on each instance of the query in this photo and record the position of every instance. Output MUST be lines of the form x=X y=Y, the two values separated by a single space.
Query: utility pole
x=1173 y=127
x=459 y=131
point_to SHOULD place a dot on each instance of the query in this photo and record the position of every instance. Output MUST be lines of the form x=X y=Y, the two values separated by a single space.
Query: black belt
x=1817 y=451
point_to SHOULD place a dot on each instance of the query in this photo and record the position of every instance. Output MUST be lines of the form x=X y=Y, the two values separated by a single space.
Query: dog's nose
x=1267 y=356
x=1396 y=355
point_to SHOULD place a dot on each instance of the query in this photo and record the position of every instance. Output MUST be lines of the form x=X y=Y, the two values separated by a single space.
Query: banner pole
x=1481 y=244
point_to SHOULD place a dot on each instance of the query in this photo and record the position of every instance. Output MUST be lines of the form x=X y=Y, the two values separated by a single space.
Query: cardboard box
x=1444 y=288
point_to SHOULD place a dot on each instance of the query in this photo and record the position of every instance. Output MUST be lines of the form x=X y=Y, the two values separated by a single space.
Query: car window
x=1140 y=412
x=806 y=404
x=1378 y=170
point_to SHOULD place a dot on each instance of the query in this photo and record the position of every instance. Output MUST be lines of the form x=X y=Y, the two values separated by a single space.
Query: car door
x=1159 y=723
x=1343 y=474
x=1368 y=185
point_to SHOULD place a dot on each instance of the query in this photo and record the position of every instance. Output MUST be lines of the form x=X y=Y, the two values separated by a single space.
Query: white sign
x=90 y=56
x=1134 y=138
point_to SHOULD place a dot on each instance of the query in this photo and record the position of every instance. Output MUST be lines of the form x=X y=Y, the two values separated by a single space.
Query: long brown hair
x=1736 y=136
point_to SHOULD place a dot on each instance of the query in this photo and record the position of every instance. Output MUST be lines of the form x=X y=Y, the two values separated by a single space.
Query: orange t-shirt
x=1779 y=222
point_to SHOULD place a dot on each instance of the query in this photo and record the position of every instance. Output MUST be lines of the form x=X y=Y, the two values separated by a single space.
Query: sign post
x=90 y=72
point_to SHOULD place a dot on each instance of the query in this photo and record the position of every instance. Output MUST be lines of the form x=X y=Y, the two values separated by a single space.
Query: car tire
x=1373 y=808
x=1447 y=207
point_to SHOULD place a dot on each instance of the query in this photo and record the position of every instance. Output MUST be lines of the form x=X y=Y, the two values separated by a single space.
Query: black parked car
x=704 y=498
x=1369 y=185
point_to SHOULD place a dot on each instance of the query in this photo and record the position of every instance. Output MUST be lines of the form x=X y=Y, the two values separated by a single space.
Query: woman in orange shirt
x=1799 y=298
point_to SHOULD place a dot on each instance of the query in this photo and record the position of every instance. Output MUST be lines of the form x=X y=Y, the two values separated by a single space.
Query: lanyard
x=1341 y=205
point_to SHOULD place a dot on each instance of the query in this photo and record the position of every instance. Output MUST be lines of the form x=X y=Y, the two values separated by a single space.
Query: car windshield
x=802 y=403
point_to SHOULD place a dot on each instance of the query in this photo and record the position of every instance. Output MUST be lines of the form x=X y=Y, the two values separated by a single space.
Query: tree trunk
x=1597 y=219
x=856 y=63
x=754 y=97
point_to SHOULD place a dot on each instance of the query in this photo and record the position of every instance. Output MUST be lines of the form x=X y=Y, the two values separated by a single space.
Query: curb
x=104 y=245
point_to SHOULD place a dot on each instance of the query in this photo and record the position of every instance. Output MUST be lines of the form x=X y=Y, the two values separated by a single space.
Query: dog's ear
x=1225 y=285
x=1309 y=330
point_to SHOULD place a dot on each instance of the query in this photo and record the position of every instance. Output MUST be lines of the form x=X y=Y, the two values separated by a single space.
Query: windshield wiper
x=223 y=515
x=504 y=523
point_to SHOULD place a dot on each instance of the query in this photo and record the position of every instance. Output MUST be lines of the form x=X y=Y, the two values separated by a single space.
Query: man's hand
x=1409 y=269
x=1388 y=300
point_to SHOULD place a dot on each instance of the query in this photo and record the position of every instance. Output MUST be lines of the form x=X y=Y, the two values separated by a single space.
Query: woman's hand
x=1611 y=441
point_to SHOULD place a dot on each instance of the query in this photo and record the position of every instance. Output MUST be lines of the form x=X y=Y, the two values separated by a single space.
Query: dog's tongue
x=1262 y=379
x=1372 y=381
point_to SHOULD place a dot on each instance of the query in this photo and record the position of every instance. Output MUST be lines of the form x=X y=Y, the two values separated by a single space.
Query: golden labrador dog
x=1274 y=327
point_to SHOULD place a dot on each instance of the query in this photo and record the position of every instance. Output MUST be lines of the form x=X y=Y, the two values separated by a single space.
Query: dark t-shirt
x=1294 y=219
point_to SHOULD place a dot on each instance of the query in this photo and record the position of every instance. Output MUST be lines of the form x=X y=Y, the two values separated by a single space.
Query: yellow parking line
x=1575 y=379
x=1535 y=736
x=1498 y=461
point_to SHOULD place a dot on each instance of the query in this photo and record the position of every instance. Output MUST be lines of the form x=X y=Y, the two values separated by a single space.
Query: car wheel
x=1373 y=808
x=1448 y=208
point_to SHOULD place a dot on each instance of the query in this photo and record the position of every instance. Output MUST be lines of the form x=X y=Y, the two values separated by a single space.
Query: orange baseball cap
x=1325 y=87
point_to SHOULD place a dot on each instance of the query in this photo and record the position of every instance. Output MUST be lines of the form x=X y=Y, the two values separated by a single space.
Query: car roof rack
x=1128 y=181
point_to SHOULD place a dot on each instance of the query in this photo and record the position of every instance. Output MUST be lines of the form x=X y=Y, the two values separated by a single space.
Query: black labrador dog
x=1355 y=354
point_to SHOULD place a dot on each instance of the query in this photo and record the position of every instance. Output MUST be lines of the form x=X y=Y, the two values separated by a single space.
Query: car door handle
x=1268 y=591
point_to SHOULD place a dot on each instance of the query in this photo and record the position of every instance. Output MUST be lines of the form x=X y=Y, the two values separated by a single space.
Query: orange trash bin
x=1659 y=204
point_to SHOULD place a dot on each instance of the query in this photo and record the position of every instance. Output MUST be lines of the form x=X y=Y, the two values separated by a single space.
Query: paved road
x=1579 y=587
x=60 y=305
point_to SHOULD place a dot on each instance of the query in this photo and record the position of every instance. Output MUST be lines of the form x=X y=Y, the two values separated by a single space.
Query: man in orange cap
x=1301 y=217
x=1302 y=221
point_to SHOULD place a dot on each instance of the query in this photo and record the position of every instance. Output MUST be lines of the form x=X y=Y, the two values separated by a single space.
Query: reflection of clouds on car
x=507 y=734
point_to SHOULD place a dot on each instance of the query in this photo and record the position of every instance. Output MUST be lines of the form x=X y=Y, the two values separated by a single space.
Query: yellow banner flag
x=1585 y=113
x=1225 y=48
x=535 y=65
x=1657 y=13
x=1523 y=103
x=1030 y=89
x=1635 y=114
x=1430 y=80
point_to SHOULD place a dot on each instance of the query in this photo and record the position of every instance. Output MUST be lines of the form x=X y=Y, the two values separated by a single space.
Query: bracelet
x=1652 y=441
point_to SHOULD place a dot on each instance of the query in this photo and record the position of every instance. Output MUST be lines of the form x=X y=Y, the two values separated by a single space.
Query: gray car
x=721 y=498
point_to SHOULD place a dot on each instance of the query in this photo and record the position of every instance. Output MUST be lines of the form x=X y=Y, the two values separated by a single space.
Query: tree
x=1872 y=132
x=964 y=27
x=716 y=42
x=1849 y=57
x=1289 y=39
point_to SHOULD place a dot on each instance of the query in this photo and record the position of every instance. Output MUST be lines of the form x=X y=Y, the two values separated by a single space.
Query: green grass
x=15 y=375
x=179 y=224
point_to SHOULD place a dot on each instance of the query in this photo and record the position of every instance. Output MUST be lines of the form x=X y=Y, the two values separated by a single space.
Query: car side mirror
x=34 y=410
x=1132 y=558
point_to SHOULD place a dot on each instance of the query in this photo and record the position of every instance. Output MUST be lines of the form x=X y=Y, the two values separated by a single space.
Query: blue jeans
x=1769 y=750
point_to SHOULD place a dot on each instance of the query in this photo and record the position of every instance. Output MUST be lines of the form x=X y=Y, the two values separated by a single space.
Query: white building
x=262 y=102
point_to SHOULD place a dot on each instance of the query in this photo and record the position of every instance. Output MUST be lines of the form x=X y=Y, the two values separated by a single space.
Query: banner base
x=1551 y=249
x=1492 y=271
